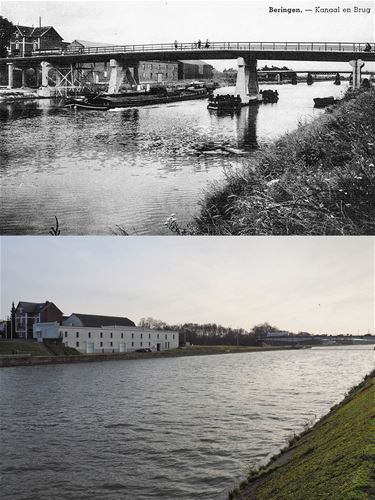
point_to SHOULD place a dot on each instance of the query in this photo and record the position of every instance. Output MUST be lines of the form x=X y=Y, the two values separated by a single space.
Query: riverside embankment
x=318 y=179
x=335 y=459
x=44 y=359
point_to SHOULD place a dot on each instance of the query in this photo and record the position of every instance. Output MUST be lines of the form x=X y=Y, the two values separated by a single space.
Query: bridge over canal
x=122 y=57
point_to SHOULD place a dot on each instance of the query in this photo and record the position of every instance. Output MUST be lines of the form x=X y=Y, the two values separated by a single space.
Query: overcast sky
x=126 y=22
x=316 y=284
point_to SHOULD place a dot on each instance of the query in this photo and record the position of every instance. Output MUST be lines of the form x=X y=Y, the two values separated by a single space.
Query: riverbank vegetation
x=19 y=347
x=335 y=459
x=316 y=180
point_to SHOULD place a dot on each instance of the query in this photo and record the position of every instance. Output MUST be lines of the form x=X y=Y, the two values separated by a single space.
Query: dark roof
x=30 y=31
x=34 y=307
x=88 y=44
x=98 y=321
x=192 y=61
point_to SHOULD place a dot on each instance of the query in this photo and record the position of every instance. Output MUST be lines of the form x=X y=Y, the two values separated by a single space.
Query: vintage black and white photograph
x=187 y=118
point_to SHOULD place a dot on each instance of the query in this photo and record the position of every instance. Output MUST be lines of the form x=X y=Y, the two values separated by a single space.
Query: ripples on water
x=129 y=167
x=181 y=428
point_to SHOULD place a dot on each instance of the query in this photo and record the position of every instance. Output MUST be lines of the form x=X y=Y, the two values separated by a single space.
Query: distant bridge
x=122 y=57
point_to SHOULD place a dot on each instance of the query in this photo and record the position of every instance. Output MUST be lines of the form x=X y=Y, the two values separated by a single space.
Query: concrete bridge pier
x=116 y=77
x=23 y=78
x=357 y=65
x=46 y=90
x=10 y=75
x=247 y=81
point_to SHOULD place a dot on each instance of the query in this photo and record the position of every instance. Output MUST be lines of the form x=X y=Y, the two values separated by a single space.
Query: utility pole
x=12 y=321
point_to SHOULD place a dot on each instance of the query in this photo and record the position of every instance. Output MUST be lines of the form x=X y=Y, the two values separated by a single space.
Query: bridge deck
x=302 y=51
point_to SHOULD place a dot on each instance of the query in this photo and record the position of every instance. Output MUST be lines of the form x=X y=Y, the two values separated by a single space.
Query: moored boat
x=224 y=103
x=322 y=102
x=269 y=96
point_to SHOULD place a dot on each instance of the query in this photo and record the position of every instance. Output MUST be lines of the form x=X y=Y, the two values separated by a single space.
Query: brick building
x=145 y=72
x=194 y=70
x=28 y=313
x=27 y=39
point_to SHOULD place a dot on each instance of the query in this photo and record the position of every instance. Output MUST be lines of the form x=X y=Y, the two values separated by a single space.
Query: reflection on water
x=178 y=428
x=95 y=170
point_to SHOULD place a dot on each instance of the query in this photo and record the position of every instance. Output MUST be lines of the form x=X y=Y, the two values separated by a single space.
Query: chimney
x=40 y=21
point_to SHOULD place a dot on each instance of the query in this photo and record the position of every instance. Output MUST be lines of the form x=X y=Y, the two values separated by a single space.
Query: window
x=140 y=344
x=122 y=335
x=66 y=334
x=149 y=335
x=141 y=335
x=173 y=336
x=111 y=344
x=101 y=344
x=132 y=344
x=77 y=344
x=151 y=75
x=151 y=68
x=111 y=335
x=143 y=67
x=77 y=335
x=149 y=344
x=157 y=336
x=166 y=336
x=89 y=335
x=132 y=335
x=101 y=335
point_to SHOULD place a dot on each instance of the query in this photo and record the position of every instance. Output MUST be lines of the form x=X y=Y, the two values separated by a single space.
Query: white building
x=107 y=339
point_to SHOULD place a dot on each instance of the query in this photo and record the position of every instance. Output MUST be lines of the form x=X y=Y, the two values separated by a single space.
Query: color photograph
x=175 y=368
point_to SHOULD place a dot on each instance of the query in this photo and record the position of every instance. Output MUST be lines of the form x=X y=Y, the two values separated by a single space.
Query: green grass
x=59 y=349
x=335 y=460
x=318 y=179
x=9 y=347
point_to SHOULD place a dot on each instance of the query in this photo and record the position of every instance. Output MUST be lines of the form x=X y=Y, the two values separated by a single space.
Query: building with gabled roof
x=27 y=39
x=194 y=69
x=96 y=321
x=28 y=313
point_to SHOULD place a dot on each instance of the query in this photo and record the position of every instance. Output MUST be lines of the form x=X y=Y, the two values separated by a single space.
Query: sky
x=314 y=284
x=126 y=22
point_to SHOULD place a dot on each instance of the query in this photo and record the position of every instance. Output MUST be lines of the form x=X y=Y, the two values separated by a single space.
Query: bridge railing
x=215 y=46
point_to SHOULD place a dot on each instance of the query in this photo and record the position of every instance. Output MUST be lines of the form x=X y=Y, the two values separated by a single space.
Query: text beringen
x=283 y=10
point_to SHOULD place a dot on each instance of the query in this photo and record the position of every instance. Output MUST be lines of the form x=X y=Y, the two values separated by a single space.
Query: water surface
x=132 y=168
x=179 y=428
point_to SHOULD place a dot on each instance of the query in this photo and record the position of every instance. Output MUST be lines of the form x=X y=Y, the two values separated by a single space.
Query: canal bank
x=36 y=359
x=318 y=179
x=335 y=459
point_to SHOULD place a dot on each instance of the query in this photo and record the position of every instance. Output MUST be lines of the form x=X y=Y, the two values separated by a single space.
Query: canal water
x=179 y=428
x=130 y=168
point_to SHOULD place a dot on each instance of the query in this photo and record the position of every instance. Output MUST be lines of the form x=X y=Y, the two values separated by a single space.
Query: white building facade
x=107 y=339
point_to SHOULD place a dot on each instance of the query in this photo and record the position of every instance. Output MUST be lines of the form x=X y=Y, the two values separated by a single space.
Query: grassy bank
x=318 y=179
x=334 y=460
x=21 y=347
x=33 y=354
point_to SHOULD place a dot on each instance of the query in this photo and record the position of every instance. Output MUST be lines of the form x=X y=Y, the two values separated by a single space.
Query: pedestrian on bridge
x=367 y=48
x=175 y=44
x=207 y=44
x=199 y=44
